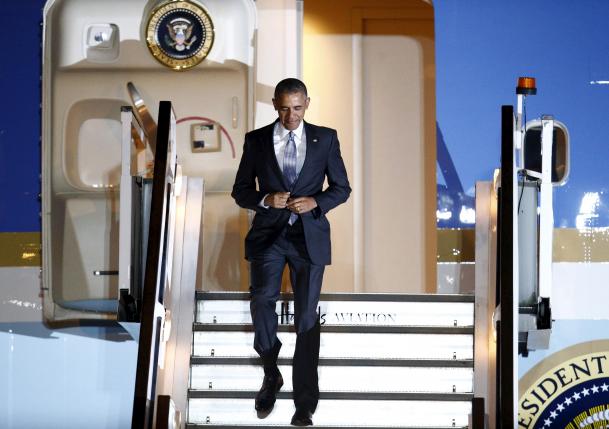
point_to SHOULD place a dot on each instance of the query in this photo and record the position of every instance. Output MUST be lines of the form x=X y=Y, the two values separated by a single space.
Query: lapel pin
x=314 y=140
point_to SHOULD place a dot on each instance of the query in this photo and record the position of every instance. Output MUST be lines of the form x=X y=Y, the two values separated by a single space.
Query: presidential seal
x=179 y=34
x=567 y=390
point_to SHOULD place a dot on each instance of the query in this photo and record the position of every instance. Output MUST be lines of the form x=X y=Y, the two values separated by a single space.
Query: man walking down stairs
x=281 y=177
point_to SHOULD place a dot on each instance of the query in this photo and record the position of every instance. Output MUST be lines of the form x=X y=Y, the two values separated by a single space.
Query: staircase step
x=402 y=313
x=374 y=297
x=205 y=426
x=342 y=345
x=334 y=412
x=356 y=396
x=421 y=363
x=340 y=379
x=365 y=329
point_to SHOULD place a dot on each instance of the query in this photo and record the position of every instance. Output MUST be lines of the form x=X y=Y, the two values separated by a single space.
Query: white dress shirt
x=280 y=141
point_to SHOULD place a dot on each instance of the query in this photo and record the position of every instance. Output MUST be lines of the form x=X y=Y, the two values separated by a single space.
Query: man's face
x=291 y=108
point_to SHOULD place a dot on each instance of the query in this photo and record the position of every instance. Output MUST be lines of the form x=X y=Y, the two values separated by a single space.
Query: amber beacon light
x=526 y=86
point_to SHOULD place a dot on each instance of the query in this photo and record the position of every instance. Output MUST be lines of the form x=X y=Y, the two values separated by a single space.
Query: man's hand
x=301 y=205
x=277 y=200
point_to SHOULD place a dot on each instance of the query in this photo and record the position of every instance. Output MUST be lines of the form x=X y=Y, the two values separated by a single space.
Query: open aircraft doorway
x=372 y=69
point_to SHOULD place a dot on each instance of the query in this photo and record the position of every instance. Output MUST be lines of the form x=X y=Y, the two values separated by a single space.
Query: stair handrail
x=135 y=145
x=158 y=255
x=506 y=312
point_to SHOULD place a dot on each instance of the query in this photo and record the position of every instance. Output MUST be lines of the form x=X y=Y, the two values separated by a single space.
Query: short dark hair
x=290 y=86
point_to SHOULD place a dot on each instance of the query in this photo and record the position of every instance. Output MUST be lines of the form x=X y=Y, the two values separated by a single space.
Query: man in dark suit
x=290 y=159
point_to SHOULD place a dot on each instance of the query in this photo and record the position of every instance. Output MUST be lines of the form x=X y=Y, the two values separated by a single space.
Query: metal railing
x=158 y=257
x=505 y=277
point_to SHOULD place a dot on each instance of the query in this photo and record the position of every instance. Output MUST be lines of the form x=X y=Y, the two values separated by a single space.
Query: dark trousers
x=265 y=287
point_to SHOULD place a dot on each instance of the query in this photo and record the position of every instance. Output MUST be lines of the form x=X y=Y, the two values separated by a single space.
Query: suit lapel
x=270 y=149
x=312 y=146
x=310 y=153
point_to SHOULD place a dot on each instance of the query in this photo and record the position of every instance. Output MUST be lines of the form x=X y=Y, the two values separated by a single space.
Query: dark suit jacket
x=259 y=162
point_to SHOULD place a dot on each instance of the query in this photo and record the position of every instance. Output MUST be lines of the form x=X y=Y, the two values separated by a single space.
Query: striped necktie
x=289 y=168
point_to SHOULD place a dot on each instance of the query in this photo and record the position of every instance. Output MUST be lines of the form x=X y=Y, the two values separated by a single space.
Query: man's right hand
x=277 y=200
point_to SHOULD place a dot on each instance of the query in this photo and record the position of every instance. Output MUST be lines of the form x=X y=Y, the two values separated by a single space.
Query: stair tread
x=342 y=395
x=360 y=329
x=339 y=345
x=338 y=296
x=262 y=424
x=424 y=363
x=414 y=412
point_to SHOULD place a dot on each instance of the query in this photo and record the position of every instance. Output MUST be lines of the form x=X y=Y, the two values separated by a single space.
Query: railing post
x=506 y=335
x=478 y=420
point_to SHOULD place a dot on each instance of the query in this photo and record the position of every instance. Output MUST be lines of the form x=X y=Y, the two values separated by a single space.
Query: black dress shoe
x=302 y=417
x=266 y=397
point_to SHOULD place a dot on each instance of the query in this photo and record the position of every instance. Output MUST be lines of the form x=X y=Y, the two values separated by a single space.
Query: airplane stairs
x=386 y=361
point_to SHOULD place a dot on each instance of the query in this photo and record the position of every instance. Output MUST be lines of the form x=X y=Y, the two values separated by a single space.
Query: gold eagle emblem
x=180 y=34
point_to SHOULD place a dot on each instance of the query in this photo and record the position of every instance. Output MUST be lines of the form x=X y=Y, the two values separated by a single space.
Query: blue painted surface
x=451 y=198
x=71 y=378
x=483 y=46
x=20 y=32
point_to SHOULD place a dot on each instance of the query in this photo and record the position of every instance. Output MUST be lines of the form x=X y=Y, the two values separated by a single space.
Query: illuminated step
x=351 y=309
x=341 y=296
x=229 y=426
x=350 y=396
x=414 y=363
x=316 y=426
x=363 y=329
x=351 y=413
x=343 y=345
x=355 y=378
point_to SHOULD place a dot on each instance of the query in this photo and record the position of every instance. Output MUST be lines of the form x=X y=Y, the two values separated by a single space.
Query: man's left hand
x=301 y=205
